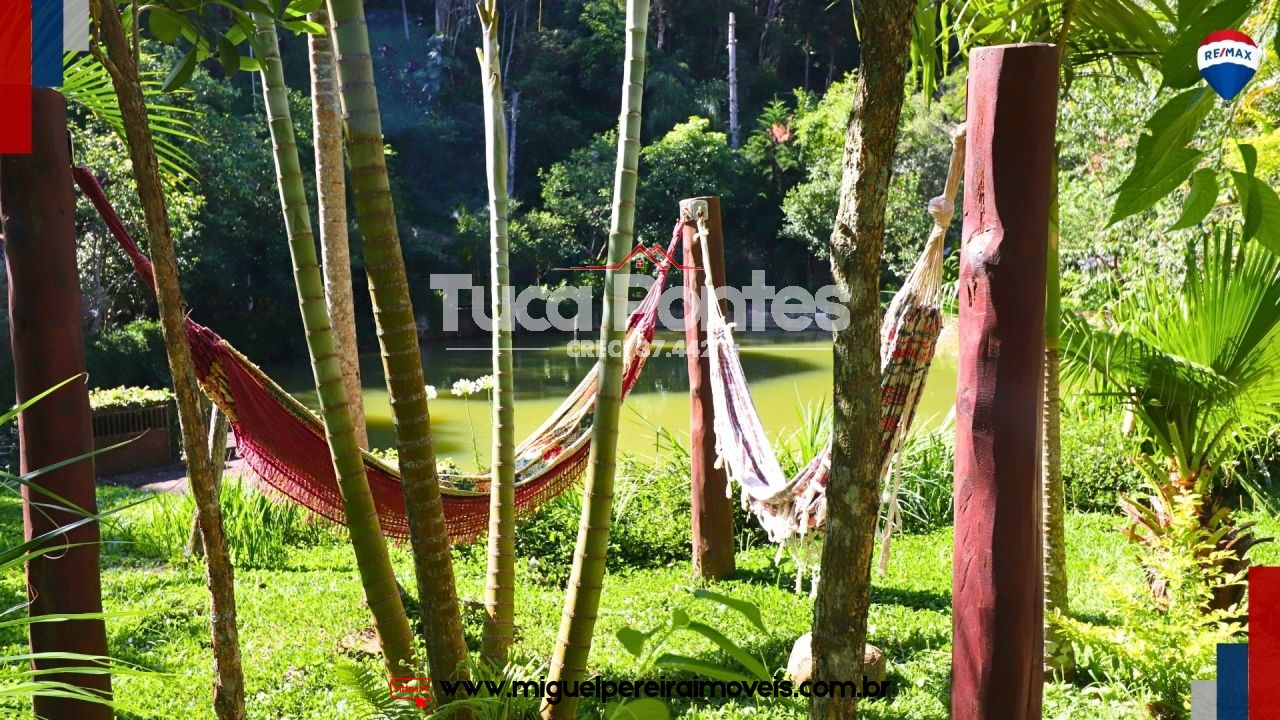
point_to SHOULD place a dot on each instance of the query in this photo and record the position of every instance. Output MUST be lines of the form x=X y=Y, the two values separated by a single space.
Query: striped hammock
x=284 y=443
x=788 y=508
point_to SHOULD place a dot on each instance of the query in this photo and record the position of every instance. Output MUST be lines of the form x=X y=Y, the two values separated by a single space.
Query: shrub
x=651 y=518
x=123 y=398
x=1157 y=646
x=1096 y=469
x=131 y=354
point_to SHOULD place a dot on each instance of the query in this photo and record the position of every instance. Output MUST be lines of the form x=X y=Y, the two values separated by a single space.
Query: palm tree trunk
x=853 y=493
x=577 y=624
x=1058 y=656
x=228 y=694
x=500 y=592
x=331 y=197
x=370 y=546
x=398 y=337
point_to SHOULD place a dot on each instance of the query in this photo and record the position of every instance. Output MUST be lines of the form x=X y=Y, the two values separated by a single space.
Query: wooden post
x=712 y=508
x=997 y=588
x=37 y=210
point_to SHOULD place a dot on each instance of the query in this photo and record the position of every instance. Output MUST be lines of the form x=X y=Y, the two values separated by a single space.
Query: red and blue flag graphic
x=33 y=36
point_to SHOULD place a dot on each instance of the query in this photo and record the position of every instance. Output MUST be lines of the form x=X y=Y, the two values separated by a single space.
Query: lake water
x=786 y=371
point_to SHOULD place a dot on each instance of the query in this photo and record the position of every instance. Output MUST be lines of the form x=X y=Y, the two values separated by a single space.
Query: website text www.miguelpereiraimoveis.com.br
x=663 y=688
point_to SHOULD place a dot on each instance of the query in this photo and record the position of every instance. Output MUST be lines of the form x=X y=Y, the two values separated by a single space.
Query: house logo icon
x=640 y=253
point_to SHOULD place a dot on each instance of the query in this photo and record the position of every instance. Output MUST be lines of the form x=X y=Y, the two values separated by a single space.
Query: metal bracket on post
x=692 y=209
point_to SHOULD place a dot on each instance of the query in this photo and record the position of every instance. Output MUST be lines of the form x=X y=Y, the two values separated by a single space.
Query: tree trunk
x=444 y=9
x=582 y=601
x=853 y=494
x=217 y=456
x=372 y=559
x=733 y=83
x=500 y=591
x=228 y=695
x=398 y=338
x=1058 y=655
x=331 y=197
x=38 y=210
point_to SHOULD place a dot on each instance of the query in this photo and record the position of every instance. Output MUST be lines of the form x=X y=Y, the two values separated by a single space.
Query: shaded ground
x=172 y=477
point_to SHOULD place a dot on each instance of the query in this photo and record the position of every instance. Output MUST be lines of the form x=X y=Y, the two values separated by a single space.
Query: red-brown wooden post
x=37 y=211
x=712 y=508
x=997 y=589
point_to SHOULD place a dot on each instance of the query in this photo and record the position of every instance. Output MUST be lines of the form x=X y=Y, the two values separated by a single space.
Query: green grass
x=295 y=615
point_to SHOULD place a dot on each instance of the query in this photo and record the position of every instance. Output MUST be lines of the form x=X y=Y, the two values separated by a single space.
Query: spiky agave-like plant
x=1200 y=369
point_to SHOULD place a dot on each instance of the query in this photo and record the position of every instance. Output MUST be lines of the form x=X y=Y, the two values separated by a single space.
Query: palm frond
x=1199 y=364
x=87 y=84
x=1129 y=34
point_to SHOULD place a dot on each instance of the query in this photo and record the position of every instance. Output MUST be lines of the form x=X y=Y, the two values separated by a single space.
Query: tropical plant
x=87 y=84
x=500 y=584
x=1197 y=368
x=398 y=339
x=1156 y=647
x=652 y=648
x=49 y=674
x=119 y=59
x=582 y=600
x=372 y=558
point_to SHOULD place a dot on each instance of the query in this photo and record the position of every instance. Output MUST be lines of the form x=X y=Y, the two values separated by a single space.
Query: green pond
x=787 y=371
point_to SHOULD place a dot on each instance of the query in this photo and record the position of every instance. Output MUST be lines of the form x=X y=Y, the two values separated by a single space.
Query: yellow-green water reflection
x=786 y=371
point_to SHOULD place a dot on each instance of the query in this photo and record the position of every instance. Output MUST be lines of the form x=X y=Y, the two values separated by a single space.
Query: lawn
x=295 y=615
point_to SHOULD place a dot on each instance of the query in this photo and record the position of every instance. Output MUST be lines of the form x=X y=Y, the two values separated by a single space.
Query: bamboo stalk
x=398 y=340
x=372 y=558
x=499 y=596
x=582 y=601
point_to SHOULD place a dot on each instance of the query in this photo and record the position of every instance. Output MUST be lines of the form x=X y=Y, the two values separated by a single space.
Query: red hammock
x=284 y=442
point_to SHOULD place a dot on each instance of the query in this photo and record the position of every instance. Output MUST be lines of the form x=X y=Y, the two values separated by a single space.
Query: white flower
x=431 y=392
x=464 y=387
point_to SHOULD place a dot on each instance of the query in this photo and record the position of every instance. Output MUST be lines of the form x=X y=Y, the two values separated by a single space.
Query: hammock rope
x=789 y=508
x=284 y=443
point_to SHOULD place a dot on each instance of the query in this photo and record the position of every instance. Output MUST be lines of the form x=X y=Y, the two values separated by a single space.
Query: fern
x=369 y=691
